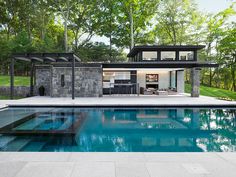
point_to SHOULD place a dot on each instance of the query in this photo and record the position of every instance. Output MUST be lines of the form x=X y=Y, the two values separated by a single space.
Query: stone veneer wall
x=43 y=78
x=88 y=82
x=195 y=82
x=21 y=91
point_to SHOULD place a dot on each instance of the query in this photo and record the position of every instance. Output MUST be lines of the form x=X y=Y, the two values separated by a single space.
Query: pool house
x=150 y=70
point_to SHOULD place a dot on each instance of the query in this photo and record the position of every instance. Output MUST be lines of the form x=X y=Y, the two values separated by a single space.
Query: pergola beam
x=37 y=59
x=22 y=58
x=51 y=59
x=64 y=58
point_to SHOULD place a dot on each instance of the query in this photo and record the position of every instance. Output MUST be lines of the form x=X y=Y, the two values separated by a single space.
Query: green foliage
x=99 y=52
x=69 y=25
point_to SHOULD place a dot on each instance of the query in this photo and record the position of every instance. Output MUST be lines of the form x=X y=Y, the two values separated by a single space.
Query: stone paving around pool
x=174 y=100
x=62 y=164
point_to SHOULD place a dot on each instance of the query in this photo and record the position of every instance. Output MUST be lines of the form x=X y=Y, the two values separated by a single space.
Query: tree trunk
x=210 y=79
x=65 y=35
x=131 y=27
x=233 y=79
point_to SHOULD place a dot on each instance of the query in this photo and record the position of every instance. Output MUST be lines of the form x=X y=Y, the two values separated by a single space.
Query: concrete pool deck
x=175 y=100
x=21 y=164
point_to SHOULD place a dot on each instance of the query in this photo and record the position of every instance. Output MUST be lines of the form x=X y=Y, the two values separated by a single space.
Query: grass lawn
x=18 y=81
x=3 y=97
x=213 y=92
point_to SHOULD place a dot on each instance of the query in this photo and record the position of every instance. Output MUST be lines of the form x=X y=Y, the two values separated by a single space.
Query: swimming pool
x=59 y=129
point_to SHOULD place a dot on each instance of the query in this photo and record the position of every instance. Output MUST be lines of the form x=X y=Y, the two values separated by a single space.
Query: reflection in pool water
x=116 y=129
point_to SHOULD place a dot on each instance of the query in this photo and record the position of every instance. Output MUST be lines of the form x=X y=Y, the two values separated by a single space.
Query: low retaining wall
x=21 y=91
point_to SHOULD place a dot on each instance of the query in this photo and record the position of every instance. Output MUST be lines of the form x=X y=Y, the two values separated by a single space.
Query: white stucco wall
x=164 y=78
x=180 y=81
x=173 y=79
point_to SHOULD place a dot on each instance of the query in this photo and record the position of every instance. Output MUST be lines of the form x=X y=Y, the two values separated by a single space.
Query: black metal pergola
x=46 y=58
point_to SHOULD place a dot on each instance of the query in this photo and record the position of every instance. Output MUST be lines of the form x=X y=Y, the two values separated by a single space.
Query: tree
x=177 y=21
x=227 y=47
x=99 y=52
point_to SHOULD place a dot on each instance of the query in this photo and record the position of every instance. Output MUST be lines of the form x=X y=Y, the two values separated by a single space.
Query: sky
x=213 y=6
x=208 y=6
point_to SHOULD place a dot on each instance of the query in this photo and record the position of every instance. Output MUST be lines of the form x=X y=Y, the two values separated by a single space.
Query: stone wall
x=88 y=82
x=195 y=82
x=43 y=78
x=20 y=91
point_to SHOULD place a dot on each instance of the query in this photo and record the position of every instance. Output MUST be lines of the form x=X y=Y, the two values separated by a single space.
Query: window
x=186 y=55
x=150 y=56
x=62 y=80
x=168 y=55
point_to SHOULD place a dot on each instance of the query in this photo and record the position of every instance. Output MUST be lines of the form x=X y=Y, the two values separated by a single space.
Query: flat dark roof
x=136 y=49
x=162 y=64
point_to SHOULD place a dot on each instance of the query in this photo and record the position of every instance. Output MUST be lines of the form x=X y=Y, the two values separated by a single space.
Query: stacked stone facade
x=43 y=78
x=195 y=82
x=88 y=81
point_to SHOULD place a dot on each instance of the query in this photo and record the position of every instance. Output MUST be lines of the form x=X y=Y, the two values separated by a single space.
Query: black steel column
x=12 y=78
x=32 y=79
x=73 y=78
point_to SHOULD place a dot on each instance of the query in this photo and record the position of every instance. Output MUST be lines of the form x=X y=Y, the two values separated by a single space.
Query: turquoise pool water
x=118 y=129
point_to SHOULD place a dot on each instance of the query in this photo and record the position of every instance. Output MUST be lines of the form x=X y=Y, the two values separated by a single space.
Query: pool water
x=54 y=129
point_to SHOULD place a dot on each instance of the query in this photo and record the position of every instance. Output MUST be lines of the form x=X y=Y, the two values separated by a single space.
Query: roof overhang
x=169 y=64
x=137 y=49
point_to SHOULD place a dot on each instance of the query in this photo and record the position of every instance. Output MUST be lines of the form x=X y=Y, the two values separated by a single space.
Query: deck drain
x=194 y=168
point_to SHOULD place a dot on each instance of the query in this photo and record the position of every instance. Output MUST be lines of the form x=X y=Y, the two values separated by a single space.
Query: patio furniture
x=149 y=91
x=162 y=92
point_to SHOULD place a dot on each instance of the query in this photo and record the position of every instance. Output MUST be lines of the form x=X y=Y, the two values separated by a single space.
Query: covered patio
x=42 y=58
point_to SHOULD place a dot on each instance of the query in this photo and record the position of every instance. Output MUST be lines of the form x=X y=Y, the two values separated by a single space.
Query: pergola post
x=32 y=79
x=73 y=78
x=12 y=78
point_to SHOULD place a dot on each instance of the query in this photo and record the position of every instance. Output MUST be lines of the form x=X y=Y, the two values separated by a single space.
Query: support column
x=32 y=79
x=180 y=81
x=73 y=78
x=12 y=78
x=195 y=82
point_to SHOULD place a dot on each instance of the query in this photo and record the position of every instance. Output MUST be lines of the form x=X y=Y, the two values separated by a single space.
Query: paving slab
x=106 y=157
x=39 y=156
x=46 y=169
x=10 y=169
x=94 y=169
x=133 y=169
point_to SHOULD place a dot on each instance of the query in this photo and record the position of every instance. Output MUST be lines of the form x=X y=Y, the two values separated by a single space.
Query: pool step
x=34 y=146
x=66 y=124
x=4 y=140
x=17 y=144
x=30 y=125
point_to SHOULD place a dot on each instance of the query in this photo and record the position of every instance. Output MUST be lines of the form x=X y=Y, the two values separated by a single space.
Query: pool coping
x=124 y=105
